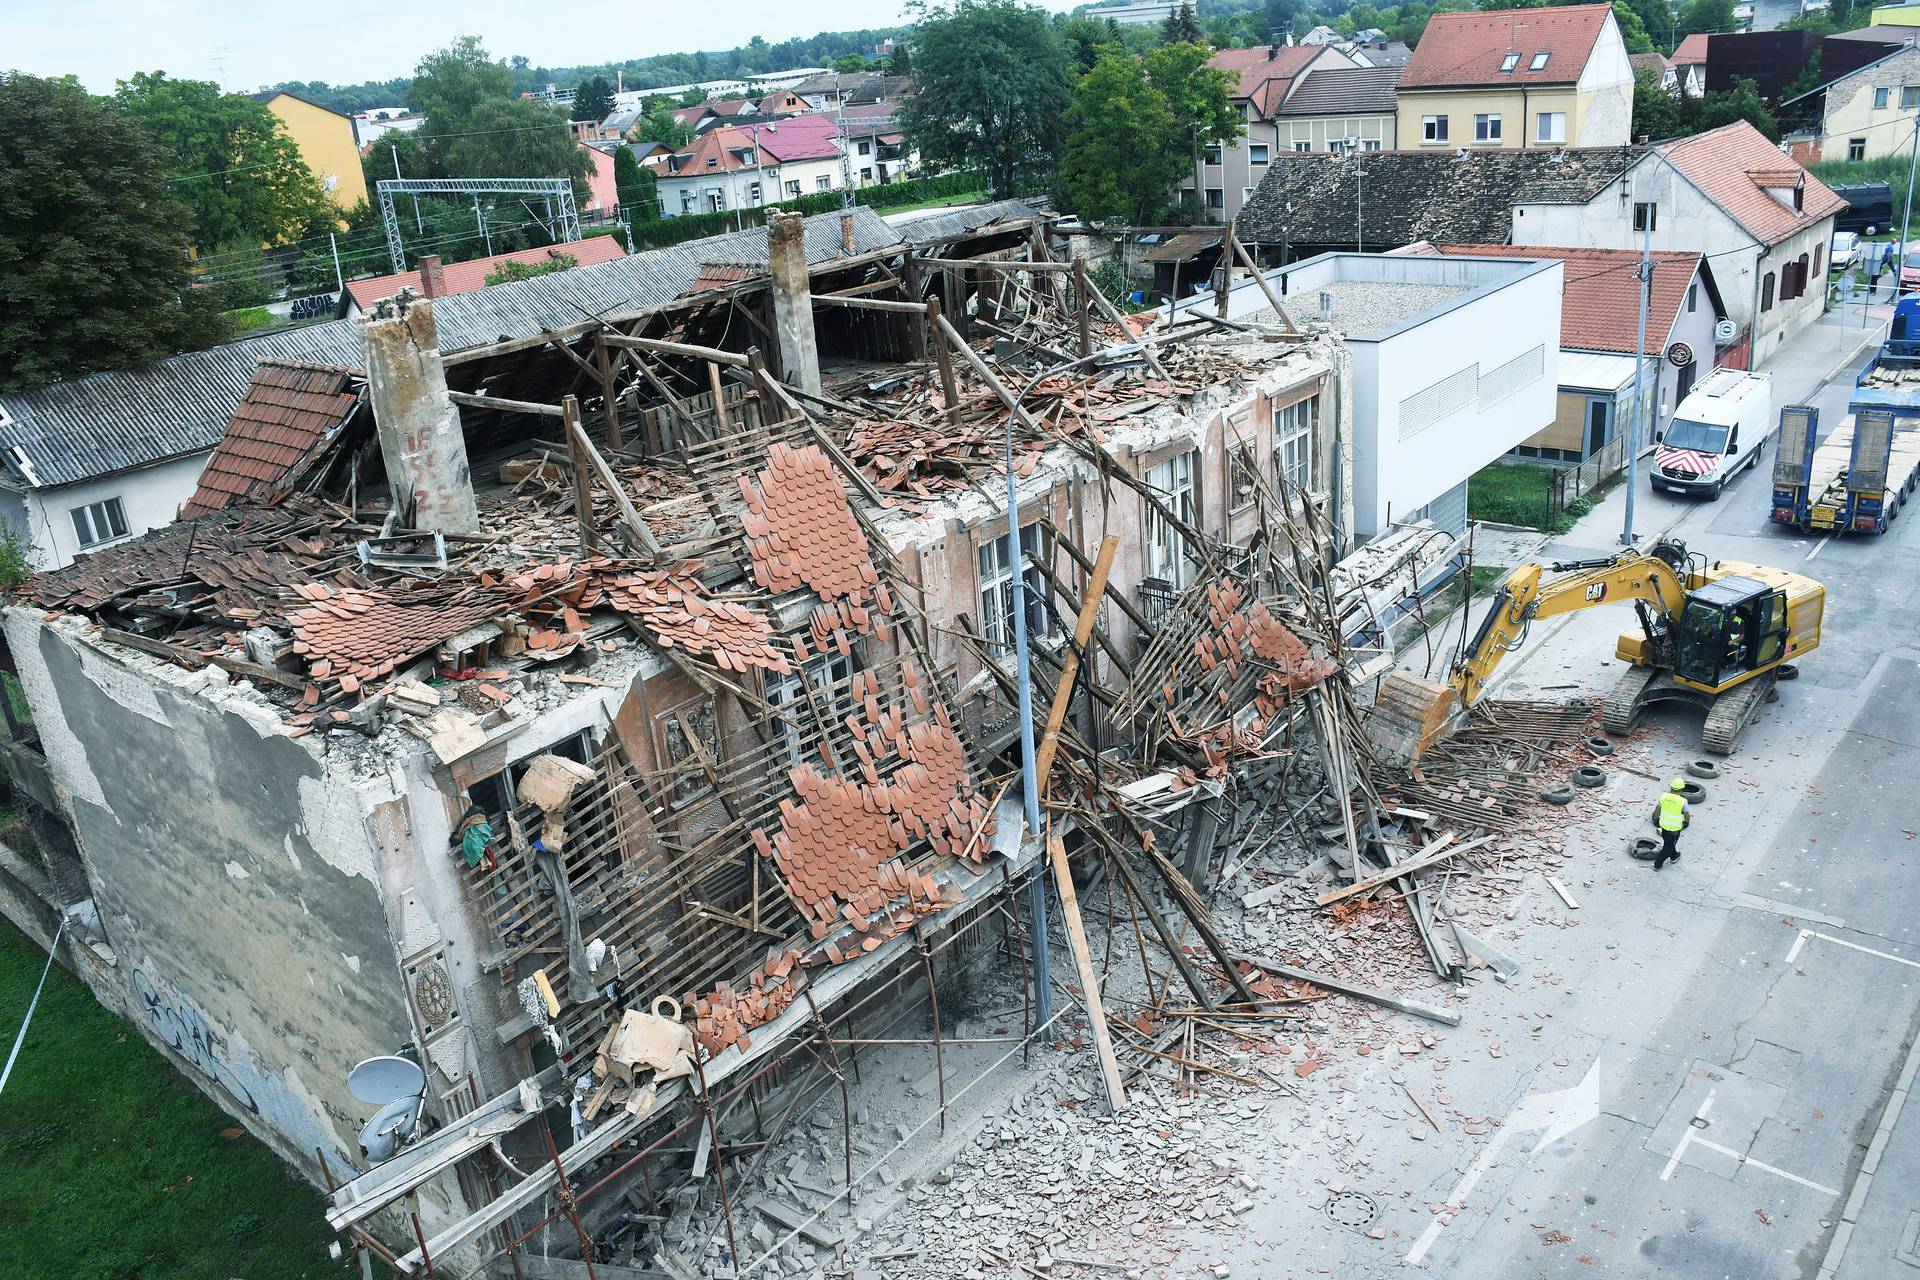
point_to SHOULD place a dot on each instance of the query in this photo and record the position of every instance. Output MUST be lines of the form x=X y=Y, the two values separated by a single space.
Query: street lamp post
x=1023 y=674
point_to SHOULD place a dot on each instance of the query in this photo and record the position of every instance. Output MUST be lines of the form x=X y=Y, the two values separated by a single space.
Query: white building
x=1455 y=362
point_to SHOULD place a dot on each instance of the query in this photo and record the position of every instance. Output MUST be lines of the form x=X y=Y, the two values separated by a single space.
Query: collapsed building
x=602 y=717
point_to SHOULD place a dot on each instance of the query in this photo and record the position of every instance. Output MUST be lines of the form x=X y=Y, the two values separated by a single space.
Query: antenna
x=219 y=61
x=397 y=1086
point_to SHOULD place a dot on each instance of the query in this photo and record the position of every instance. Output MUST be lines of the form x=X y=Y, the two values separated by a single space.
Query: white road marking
x=1801 y=941
x=1686 y=1139
x=1755 y=902
x=1559 y=1113
x=1820 y=546
x=1761 y=1164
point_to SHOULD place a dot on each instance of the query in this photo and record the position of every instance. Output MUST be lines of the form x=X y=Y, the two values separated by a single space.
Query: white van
x=1717 y=431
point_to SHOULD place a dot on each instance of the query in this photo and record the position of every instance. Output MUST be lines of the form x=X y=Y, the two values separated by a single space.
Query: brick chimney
x=846 y=234
x=421 y=441
x=433 y=279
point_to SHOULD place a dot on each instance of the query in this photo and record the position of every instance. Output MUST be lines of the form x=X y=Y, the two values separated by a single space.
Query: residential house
x=1338 y=109
x=1454 y=363
x=1861 y=115
x=651 y=155
x=328 y=141
x=731 y=167
x=1662 y=70
x=1599 y=333
x=603 y=195
x=1378 y=53
x=1140 y=13
x=1314 y=202
x=782 y=102
x=1518 y=78
x=1690 y=64
x=371 y=126
x=1265 y=76
x=1764 y=222
x=434 y=279
x=1322 y=37
x=65 y=492
x=622 y=124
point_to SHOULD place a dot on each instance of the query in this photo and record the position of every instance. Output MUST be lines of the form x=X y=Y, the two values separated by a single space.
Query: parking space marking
x=1800 y=942
x=1743 y=1158
x=1686 y=1139
x=1692 y=1138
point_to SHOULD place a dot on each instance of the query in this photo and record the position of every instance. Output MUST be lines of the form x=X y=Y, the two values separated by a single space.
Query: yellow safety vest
x=1673 y=809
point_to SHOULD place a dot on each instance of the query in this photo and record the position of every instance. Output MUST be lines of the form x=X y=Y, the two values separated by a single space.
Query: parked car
x=1910 y=270
x=1844 y=254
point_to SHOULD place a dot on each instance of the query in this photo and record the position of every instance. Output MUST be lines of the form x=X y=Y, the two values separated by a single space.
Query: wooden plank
x=1082 y=631
x=1089 y=980
x=1418 y=1008
x=943 y=355
x=869 y=304
x=1437 y=852
x=1561 y=889
x=987 y=375
x=473 y=401
x=664 y=347
x=1260 y=279
x=995 y=264
x=1423 y=1106
x=238 y=666
x=642 y=536
x=582 y=485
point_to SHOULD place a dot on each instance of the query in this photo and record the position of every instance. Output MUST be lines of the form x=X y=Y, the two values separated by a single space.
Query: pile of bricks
x=354 y=636
x=802 y=532
x=723 y=1016
x=675 y=608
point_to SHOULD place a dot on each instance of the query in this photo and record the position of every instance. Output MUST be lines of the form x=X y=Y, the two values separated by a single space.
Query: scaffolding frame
x=562 y=221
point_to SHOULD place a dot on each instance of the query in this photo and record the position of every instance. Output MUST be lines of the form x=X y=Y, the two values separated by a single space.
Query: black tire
x=1600 y=746
x=1643 y=848
x=1558 y=793
x=1786 y=671
x=1588 y=775
x=1693 y=793
x=1719 y=487
x=1703 y=769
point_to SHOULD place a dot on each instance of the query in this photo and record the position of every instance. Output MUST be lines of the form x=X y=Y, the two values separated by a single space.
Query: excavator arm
x=1656 y=577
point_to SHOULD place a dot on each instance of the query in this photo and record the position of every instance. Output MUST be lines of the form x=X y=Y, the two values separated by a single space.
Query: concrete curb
x=1863 y=1180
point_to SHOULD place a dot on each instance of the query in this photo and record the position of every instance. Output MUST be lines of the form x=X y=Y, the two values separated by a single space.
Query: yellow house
x=1896 y=15
x=1556 y=77
x=329 y=142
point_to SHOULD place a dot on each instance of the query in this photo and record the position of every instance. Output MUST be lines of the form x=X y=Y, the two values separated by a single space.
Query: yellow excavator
x=1715 y=635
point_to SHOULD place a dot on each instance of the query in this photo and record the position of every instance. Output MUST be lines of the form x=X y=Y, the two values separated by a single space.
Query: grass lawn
x=113 y=1167
x=248 y=319
x=1516 y=493
x=938 y=202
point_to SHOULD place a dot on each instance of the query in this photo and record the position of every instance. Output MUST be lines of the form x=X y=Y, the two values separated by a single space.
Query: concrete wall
x=1603 y=116
x=328 y=145
x=1489 y=362
x=1518 y=109
x=235 y=880
x=1320 y=133
x=151 y=496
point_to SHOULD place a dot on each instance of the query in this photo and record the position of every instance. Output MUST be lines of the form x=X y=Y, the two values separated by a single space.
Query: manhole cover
x=1351 y=1209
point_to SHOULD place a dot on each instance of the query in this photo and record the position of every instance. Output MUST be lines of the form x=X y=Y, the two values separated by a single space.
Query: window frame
x=822 y=672
x=1213 y=154
x=1509 y=62
x=993 y=567
x=1766 y=293
x=1856 y=148
x=95 y=524
x=1646 y=215
x=1433 y=130
x=1556 y=136
x=1176 y=481
x=1539 y=62
x=1882 y=97
x=1487 y=128
x=1259 y=153
x=1909 y=96
x=1293 y=426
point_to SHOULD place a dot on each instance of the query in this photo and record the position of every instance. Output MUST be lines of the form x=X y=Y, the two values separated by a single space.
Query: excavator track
x=1733 y=711
x=1624 y=704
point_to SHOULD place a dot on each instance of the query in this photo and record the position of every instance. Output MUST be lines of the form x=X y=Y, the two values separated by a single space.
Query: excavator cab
x=1728 y=629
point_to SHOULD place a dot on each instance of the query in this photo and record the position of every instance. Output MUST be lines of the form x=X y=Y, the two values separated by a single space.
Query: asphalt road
x=1733 y=1026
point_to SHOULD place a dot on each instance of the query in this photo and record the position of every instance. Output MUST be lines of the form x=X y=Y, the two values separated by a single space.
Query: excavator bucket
x=1409 y=715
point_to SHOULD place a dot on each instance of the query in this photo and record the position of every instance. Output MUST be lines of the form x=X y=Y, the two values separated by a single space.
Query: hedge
x=692 y=226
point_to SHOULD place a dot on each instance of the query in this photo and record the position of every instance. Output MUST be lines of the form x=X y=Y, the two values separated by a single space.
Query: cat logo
x=1596 y=592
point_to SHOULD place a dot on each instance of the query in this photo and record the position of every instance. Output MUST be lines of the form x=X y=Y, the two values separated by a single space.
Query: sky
x=250 y=43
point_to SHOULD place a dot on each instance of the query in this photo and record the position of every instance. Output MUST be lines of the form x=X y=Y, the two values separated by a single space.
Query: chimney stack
x=792 y=298
x=846 y=235
x=1273 y=51
x=421 y=441
x=433 y=280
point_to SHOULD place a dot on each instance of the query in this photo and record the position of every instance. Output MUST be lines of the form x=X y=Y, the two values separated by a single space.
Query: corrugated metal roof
x=956 y=224
x=1594 y=371
x=107 y=422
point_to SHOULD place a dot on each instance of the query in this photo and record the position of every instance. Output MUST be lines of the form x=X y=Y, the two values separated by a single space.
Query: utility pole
x=485 y=235
x=338 y=278
x=1906 y=218
x=1639 y=363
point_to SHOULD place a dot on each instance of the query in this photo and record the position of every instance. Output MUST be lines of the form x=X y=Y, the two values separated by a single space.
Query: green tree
x=1280 y=16
x=593 y=99
x=1198 y=102
x=1742 y=102
x=849 y=62
x=1698 y=16
x=900 y=61
x=1085 y=35
x=661 y=126
x=450 y=84
x=990 y=92
x=394 y=155
x=94 y=269
x=636 y=186
x=233 y=163
x=1182 y=27
x=508 y=272
x=1656 y=19
x=514 y=138
x=1656 y=111
x=1118 y=165
x=1633 y=32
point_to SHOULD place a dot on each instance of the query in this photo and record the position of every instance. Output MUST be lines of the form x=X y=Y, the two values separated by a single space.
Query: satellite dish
x=383 y=1080
x=1725 y=331
x=392 y=1125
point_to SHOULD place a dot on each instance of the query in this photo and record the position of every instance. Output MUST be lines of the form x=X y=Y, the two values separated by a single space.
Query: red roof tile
x=290 y=410
x=1691 y=50
x=1735 y=164
x=1265 y=73
x=1600 y=301
x=1468 y=48
x=465 y=277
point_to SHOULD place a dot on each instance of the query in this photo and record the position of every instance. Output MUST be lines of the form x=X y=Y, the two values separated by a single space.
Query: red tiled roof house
x=1518 y=78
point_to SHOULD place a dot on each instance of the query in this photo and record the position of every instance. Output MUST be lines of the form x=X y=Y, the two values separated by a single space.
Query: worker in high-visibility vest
x=1673 y=820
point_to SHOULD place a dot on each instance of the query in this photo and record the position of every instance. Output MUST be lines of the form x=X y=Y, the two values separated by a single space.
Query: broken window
x=827 y=677
x=688 y=739
x=996 y=589
x=1167 y=556
x=99 y=522
x=1245 y=475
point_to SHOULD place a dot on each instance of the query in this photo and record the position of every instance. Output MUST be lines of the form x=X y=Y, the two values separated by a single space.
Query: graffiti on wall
x=179 y=1024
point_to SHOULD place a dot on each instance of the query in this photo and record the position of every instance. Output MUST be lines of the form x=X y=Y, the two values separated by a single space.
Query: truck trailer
x=1859 y=477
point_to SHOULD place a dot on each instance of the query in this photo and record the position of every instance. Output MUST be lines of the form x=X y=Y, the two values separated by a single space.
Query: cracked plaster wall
x=234 y=877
